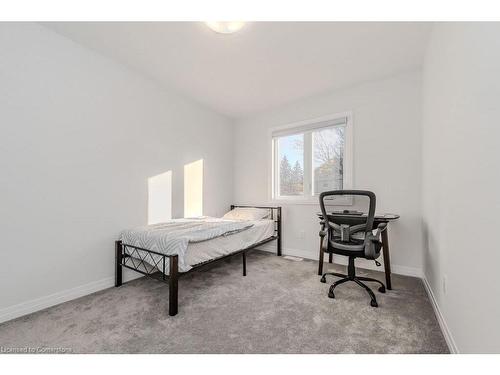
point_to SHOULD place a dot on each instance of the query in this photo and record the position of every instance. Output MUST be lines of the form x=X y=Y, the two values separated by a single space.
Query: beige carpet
x=280 y=307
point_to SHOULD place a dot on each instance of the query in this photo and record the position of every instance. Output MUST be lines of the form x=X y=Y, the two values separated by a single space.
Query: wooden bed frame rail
x=142 y=261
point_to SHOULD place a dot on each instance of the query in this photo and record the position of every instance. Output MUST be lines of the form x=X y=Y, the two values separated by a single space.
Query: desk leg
x=321 y=255
x=387 y=259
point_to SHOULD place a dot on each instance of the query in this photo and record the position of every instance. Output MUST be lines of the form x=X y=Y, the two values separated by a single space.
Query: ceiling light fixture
x=225 y=27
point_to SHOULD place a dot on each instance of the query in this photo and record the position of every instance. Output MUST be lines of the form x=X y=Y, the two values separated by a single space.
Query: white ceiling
x=265 y=65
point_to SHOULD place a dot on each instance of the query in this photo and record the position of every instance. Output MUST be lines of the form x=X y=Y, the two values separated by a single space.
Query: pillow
x=247 y=213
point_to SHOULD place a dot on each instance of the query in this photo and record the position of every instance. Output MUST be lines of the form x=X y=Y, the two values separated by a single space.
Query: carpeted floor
x=280 y=307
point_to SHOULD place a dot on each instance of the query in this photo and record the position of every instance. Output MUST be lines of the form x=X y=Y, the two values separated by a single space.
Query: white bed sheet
x=200 y=252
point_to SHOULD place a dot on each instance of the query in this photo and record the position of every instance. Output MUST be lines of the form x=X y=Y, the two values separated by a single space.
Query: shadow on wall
x=431 y=262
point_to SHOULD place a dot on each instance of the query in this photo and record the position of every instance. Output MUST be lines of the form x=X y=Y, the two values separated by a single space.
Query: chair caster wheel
x=381 y=289
x=323 y=280
x=331 y=295
x=373 y=303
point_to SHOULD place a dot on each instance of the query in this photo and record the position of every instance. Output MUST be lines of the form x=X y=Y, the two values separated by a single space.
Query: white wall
x=387 y=160
x=461 y=181
x=80 y=135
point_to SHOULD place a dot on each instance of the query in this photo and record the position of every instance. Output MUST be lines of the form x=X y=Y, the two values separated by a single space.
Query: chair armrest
x=324 y=243
x=380 y=228
x=322 y=232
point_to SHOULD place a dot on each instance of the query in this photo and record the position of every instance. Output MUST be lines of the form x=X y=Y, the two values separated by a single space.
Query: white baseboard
x=44 y=302
x=361 y=263
x=37 y=304
x=452 y=346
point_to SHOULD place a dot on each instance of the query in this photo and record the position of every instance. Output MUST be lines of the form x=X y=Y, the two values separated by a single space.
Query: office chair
x=353 y=241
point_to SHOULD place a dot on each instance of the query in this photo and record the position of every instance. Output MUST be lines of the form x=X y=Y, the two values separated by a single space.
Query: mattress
x=200 y=252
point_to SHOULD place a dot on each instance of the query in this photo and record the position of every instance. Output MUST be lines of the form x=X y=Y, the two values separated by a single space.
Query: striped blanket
x=173 y=237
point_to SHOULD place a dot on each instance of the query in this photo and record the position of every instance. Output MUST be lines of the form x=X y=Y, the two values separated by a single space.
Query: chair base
x=351 y=276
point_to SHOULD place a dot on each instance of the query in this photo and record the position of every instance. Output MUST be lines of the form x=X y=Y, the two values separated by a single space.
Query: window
x=328 y=159
x=312 y=157
x=291 y=165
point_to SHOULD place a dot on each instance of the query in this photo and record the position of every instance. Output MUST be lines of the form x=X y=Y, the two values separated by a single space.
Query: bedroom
x=197 y=156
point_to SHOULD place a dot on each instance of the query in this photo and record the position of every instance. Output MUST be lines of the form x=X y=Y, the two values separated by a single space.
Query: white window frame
x=308 y=197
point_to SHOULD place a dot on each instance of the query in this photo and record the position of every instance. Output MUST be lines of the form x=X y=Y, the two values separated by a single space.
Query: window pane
x=291 y=164
x=328 y=159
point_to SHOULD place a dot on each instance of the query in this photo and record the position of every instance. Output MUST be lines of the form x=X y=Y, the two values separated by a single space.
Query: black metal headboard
x=275 y=212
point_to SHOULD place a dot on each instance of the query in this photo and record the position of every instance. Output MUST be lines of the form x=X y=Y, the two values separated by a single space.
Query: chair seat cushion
x=336 y=246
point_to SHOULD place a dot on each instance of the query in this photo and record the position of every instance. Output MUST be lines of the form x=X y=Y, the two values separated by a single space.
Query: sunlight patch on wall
x=160 y=198
x=193 y=189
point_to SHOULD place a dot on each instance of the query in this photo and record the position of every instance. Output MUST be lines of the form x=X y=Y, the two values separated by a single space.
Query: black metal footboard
x=142 y=261
x=153 y=264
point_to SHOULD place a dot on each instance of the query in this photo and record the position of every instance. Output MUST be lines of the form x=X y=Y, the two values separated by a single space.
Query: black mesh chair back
x=342 y=232
x=346 y=235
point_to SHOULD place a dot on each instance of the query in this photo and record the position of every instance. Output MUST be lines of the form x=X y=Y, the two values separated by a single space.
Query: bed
x=167 y=251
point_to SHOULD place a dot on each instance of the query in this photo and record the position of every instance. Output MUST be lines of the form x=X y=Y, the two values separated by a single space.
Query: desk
x=353 y=219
